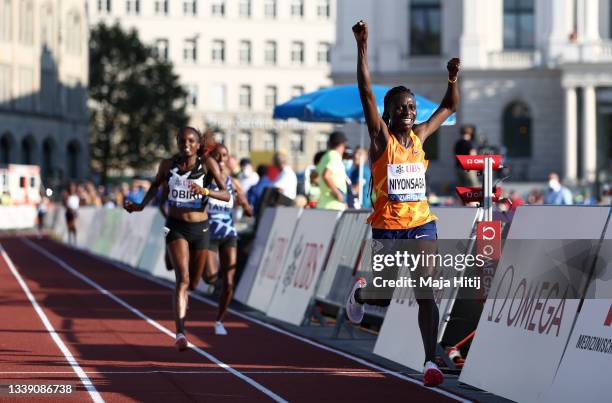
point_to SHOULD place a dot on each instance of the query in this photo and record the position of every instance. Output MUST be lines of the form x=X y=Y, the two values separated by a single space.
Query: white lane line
x=153 y=323
x=212 y=372
x=361 y=361
x=95 y=396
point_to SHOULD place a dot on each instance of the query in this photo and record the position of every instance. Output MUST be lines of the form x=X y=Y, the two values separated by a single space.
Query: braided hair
x=389 y=96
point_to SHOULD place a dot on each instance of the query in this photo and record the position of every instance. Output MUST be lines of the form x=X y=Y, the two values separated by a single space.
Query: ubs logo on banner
x=274 y=259
x=303 y=266
x=608 y=321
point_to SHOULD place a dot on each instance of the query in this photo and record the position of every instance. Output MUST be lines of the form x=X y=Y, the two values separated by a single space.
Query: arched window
x=28 y=150
x=517 y=130
x=6 y=146
x=48 y=150
x=73 y=152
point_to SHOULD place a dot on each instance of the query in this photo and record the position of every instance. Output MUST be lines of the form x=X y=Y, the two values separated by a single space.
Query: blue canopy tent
x=341 y=104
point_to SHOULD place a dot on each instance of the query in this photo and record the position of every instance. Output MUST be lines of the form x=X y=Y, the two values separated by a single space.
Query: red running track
x=118 y=326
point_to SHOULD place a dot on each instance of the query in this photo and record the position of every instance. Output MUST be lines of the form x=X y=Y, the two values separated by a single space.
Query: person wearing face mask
x=332 y=174
x=556 y=192
x=247 y=176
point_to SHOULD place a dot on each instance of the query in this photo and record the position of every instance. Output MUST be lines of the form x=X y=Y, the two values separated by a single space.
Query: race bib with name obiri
x=406 y=182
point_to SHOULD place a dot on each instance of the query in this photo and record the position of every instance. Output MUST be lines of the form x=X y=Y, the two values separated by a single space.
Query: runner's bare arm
x=241 y=198
x=376 y=127
x=160 y=180
x=222 y=194
x=162 y=201
x=447 y=107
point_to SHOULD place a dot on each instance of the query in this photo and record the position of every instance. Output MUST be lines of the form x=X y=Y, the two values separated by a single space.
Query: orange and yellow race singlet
x=399 y=182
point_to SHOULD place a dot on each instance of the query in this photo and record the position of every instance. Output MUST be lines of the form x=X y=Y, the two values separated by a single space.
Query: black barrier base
x=341 y=322
x=311 y=311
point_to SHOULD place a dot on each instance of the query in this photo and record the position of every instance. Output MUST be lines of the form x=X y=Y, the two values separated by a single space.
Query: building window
x=244 y=143
x=244 y=8
x=517 y=130
x=47 y=27
x=245 y=52
x=518 y=24
x=218 y=97
x=296 y=91
x=323 y=9
x=322 y=142
x=73 y=33
x=296 y=142
x=218 y=8
x=297 y=8
x=190 y=7
x=192 y=94
x=297 y=52
x=270 y=8
x=47 y=159
x=6 y=145
x=132 y=7
x=270 y=53
x=161 y=48
x=190 y=53
x=323 y=56
x=161 y=7
x=27 y=150
x=26 y=22
x=271 y=95
x=245 y=97
x=270 y=141
x=6 y=25
x=425 y=22
x=218 y=51
x=104 y=6
x=72 y=162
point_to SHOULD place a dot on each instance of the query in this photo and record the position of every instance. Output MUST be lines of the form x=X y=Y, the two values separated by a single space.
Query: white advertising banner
x=399 y=338
x=132 y=236
x=271 y=265
x=257 y=250
x=303 y=264
x=85 y=220
x=337 y=277
x=17 y=217
x=586 y=368
x=527 y=320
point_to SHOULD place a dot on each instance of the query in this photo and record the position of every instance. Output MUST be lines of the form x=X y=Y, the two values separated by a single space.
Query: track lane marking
x=150 y=321
x=91 y=389
x=274 y=328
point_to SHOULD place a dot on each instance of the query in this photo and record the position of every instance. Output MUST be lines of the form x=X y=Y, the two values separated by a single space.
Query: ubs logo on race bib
x=406 y=182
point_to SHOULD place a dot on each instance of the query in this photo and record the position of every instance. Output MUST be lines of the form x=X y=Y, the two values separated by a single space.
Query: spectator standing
x=286 y=181
x=465 y=146
x=556 y=192
x=361 y=158
x=256 y=192
x=247 y=176
x=332 y=173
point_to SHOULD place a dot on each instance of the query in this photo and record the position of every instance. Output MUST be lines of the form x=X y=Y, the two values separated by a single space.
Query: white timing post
x=488 y=189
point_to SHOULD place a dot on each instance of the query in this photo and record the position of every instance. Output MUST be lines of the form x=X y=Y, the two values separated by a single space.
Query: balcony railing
x=514 y=59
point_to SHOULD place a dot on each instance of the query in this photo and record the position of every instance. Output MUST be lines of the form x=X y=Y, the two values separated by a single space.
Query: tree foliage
x=137 y=104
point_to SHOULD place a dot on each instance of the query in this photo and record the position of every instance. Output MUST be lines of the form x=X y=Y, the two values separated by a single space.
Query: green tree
x=137 y=104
